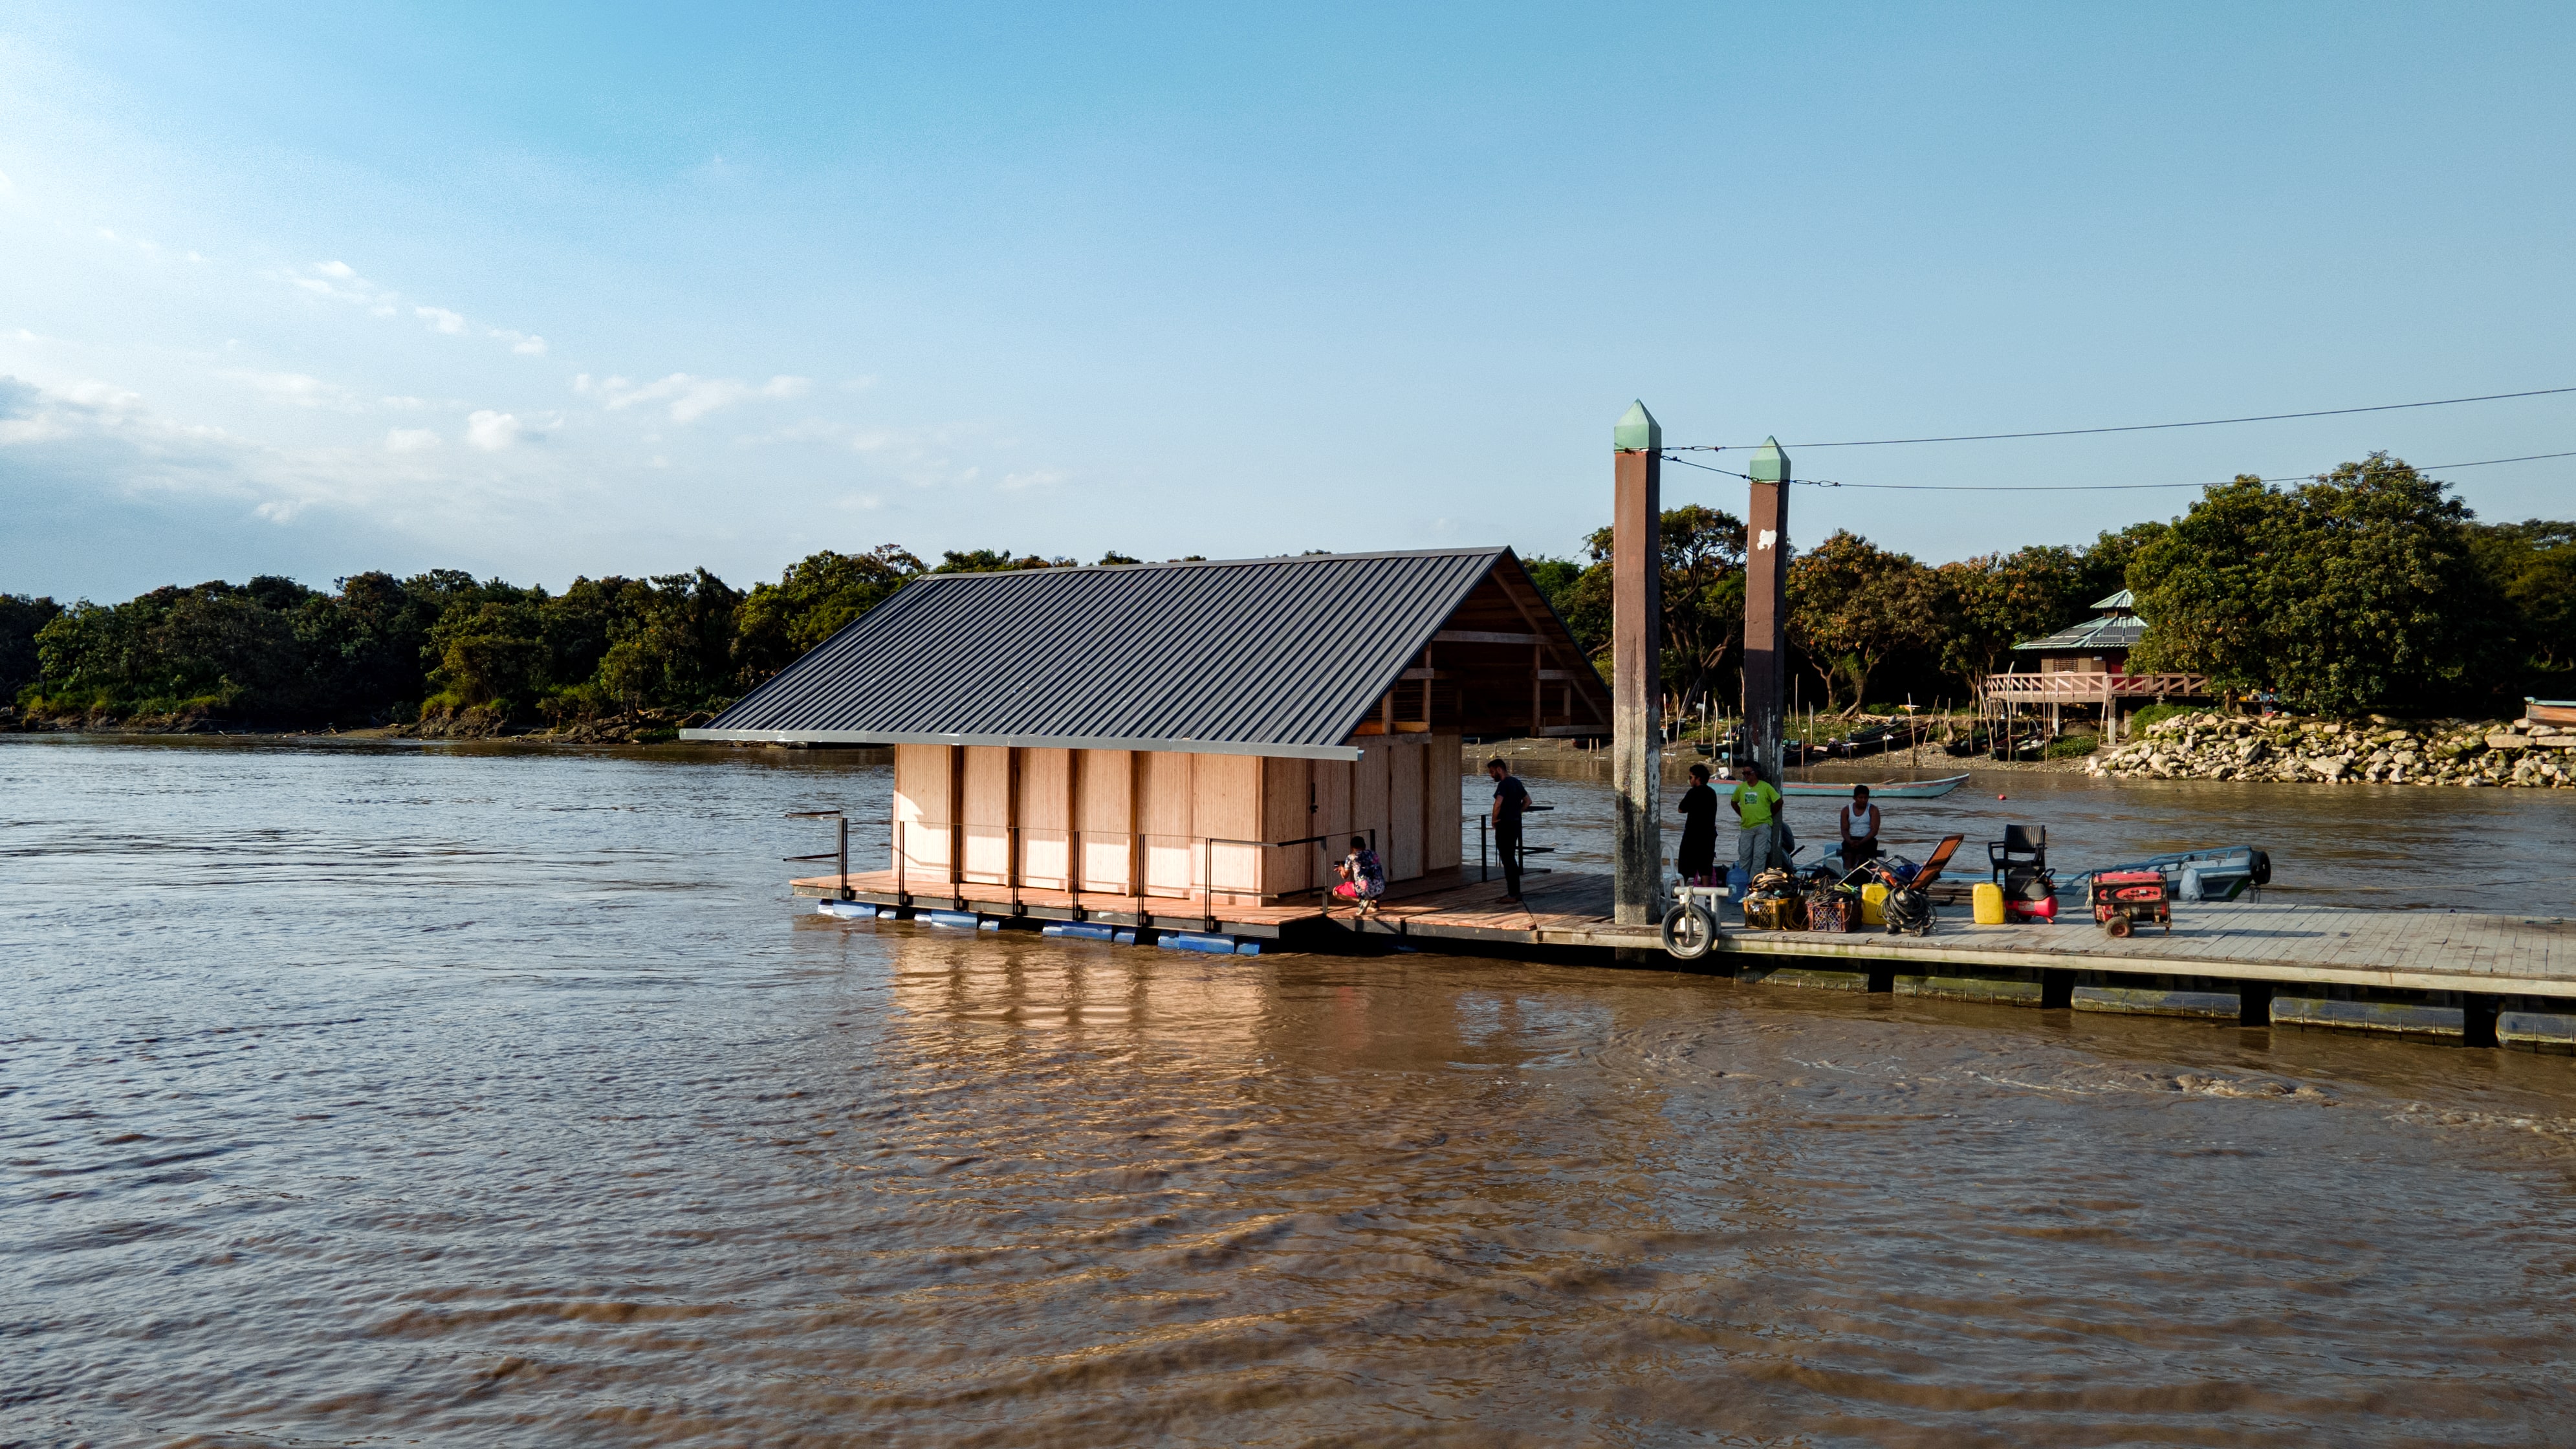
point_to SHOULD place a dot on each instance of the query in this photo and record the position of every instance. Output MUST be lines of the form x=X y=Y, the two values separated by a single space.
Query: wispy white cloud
x=296 y=389
x=690 y=398
x=440 y=319
x=1035 y=478
x=491 y=431
x=410 y=440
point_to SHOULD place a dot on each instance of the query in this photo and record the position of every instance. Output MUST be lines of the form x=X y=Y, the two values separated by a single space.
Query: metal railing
x=841 y=881
x=1484 y=869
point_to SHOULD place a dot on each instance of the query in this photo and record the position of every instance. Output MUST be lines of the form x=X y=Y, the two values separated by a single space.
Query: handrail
x=841 y=882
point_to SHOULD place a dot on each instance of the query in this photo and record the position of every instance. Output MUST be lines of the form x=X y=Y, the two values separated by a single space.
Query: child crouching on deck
x=1363 y=878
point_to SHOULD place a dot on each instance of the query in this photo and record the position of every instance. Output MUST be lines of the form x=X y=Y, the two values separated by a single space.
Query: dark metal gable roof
x=1276 y=656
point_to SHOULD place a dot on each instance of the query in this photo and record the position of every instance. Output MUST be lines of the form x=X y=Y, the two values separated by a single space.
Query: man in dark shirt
x=1511 y=797
x=1698 y=859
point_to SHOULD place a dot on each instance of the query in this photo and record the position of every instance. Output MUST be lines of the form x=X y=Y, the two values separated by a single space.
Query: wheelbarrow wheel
x=2118 y=925
x=1688 y=932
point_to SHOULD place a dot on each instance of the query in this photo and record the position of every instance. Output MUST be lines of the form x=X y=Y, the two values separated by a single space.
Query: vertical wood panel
x=921 y=808
x=1404 y=808
x=1443 y=809
x=1287 y=799
x=1368 y=792
x=1226 y=804
x=1045 y=815
x=1102 y=815
x=1332 y=813
x=1163 y=803
x=986 y=816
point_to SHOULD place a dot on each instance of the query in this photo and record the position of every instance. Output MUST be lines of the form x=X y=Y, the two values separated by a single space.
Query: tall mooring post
x=1766 y=587
x=1636 y=656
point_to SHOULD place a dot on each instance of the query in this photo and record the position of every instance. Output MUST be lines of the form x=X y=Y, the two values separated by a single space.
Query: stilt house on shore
x=1194 y=729
x=2087 y=664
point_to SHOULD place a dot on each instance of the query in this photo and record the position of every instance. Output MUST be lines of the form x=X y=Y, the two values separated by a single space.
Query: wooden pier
x=2481 y=978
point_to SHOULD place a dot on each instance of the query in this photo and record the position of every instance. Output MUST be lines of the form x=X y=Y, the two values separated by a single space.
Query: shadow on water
x=496 y=1096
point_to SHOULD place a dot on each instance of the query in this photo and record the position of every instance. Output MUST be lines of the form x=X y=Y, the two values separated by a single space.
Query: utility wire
x=2087 y=487
x=2142 y=427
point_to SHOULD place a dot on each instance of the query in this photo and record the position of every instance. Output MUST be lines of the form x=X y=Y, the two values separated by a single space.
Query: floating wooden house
x=1210 y=729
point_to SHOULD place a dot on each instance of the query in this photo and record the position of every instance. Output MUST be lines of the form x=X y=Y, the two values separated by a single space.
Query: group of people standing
x=1761 y=836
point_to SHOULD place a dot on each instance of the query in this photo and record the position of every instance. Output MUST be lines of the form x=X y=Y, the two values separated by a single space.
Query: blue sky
x=541 y=291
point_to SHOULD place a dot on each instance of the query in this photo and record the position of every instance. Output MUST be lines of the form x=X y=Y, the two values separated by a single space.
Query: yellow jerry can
x=1989 y=903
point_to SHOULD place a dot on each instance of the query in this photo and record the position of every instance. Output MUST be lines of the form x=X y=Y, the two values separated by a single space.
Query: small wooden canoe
x=1886 y=790
x=2559 y=712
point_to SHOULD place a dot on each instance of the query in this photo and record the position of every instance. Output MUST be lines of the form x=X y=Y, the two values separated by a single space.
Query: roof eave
x=1024 y=742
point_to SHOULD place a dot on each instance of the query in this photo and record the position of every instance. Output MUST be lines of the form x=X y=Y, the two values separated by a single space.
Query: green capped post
x=1637 y=431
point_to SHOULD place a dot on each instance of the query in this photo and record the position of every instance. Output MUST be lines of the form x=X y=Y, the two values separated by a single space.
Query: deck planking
x=2250 y=940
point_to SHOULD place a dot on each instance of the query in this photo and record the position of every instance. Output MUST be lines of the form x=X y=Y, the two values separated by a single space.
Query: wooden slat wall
x=1046 y=816
x=1104 y=818
x=921 y=808
x=1288 y=813
x=1443 y=811
x=1226 y=804
x=1333 y=784
x=1368 y=791
x=988 y=813
x=1402 y=847
x=1163 y=797
x=1095 y=803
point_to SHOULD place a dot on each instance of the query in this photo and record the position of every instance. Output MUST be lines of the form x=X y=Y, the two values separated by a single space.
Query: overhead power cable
x=2090 y=487
x=2140 y=427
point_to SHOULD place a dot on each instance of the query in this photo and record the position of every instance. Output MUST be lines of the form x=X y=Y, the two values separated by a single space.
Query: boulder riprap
x=2209 y=745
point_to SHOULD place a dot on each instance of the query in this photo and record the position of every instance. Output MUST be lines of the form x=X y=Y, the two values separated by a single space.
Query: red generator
x=2123 y=898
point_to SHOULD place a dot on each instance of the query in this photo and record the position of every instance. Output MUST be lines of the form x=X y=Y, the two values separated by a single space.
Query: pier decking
x=2408 y=951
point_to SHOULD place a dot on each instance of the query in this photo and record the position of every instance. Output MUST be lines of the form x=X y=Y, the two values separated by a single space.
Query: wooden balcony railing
x=2070 y=687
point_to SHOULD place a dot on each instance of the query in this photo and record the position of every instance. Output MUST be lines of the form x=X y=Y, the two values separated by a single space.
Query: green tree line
x=380 y=649
x=2368 y=587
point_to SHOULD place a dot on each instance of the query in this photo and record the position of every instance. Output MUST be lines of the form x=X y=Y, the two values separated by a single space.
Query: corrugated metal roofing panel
x=1278 y=656
x=2111 y=631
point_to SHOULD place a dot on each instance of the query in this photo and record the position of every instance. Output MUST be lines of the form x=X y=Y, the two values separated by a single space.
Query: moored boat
x=2559 y=712
x=1881 y=790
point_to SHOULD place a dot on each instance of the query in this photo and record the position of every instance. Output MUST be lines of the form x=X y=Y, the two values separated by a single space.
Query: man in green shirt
x=1756 y=804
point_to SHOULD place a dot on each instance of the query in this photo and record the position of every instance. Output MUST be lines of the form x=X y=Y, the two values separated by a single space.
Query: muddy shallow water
x=466 y=1095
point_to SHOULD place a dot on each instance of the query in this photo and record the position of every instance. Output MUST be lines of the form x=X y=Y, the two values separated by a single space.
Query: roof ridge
x=1060 y=570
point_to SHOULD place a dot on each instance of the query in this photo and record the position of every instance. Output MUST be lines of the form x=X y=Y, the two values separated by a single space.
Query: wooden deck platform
x=2488 y=955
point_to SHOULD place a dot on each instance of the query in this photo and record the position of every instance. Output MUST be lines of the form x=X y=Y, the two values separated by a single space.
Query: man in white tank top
x=1860 y=828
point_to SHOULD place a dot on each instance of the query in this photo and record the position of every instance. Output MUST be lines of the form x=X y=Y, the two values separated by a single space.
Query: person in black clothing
x=1511 y=797
x=1699 y=829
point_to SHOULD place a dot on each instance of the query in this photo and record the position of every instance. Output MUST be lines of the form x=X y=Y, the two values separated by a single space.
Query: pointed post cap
x=1770 y=465
x=1637 y=432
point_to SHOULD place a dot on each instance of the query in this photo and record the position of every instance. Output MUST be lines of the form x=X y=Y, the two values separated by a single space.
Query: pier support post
x=1636 y=649
x=2253 y=1003
x=1766 y=587
x=2478 y=1014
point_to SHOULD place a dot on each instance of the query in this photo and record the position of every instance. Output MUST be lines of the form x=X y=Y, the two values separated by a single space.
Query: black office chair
x=2018 y=850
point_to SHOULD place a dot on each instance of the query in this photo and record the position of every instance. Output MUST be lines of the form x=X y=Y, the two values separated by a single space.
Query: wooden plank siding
x=1031 y=817
x=1104 y=805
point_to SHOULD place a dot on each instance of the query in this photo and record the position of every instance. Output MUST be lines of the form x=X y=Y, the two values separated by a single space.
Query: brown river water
x=473 y=1095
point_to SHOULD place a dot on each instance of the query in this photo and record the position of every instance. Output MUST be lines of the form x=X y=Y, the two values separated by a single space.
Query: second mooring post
x=1636 y=647
x=1766 y=586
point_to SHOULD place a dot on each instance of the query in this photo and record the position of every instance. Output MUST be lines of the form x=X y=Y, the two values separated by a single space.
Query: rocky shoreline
x=2210 y=745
